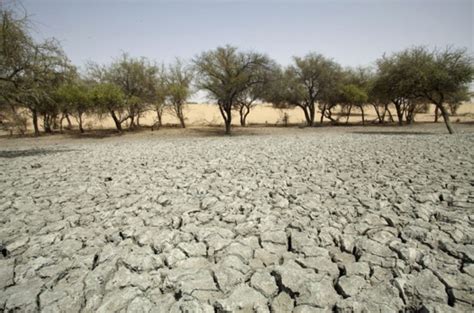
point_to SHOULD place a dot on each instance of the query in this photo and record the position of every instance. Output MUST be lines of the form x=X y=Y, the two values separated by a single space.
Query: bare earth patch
x=271 y=219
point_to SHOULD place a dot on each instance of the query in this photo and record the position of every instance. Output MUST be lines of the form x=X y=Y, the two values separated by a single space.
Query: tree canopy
x=225 y=73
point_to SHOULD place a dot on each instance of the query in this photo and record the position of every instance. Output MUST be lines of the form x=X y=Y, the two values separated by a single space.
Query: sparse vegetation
x=38 y=82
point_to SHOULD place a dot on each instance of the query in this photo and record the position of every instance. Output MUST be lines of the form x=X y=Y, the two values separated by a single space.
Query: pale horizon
x=353 y=33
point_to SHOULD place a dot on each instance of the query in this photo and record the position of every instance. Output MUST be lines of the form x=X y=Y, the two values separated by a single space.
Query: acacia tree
x=378 y=99
x=456 y=99
x=442 y=76
x=136 y=77
x=249 y=98
x=15 y=45
x=76 y=98
x=109 y=99
x=416 y=76
x=390 y=83
x=353 y=95
x=246 y=101
x=178 y=89
x=355 y=90
x=304 y=83
x=159 y=99
x=225 y=73
x=47 y=70
x=29 y=71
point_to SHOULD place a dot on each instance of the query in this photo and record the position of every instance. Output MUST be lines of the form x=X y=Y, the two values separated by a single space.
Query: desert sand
x=208 y=114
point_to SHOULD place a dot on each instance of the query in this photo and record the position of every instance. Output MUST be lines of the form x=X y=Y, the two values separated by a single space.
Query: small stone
x=278 y=237
x=469 y=269
x=350 y=285
x=282 y=303
x=264 y=283
x=243 y=299
x=357 y=268
x=193 y=248
x=208 y=202
x=6 y=273
x=423 y=287
x=318 y=293
x=174 y=256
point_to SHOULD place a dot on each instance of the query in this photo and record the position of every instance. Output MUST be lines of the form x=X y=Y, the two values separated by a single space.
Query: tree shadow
x=97 y=134
x=11 y=154
x=392 y=133
x=220 y=132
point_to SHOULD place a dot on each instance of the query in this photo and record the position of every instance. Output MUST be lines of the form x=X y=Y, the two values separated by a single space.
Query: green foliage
x=135 y=76
x=225 y=73
x=30 y=72
x=75 y=96
x=15 y=45
x=418 y=74
x=178 y=88
x=107 y=97
x=353 y=94
x=311 y=79
x=137 y=79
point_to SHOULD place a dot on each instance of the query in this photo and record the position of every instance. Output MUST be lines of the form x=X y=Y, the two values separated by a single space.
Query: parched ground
x=302 y=220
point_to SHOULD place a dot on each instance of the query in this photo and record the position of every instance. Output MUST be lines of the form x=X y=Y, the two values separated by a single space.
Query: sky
x=352 y=32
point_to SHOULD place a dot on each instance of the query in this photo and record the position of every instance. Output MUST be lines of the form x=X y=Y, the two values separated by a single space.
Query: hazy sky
x=351 y=32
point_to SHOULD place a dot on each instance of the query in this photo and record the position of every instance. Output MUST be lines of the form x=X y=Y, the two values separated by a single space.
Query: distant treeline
x=39 y=83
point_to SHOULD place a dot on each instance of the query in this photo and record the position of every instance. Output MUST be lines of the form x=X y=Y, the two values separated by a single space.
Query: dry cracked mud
x=299 y=222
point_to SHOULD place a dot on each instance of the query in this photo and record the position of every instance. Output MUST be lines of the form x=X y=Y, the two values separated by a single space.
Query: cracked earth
x=294 y=222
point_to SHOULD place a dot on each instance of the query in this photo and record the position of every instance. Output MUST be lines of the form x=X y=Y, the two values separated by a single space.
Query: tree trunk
x=117 y=122
x=399 y=113
x=382 y=120
x=226 y=112
x=445 y=115
x=307 y=115
x=389 y=114
x=363 y=114
x=69 y=124
x=377 y=111
x=312 y=112
x=245 y=116
x=55 y=121
x=308 y=118
x=181 y=120
x=46 y=124
x=180 y=114
x=323 y=111
x=61 y=124
x=81 y=129
x=159 y=115
x=436 y=114
x=348 y=114
x=34 y=113
x=244 y=112
x=241 y=114
x=132 y=122
x=411 y=114
x=228 y=124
